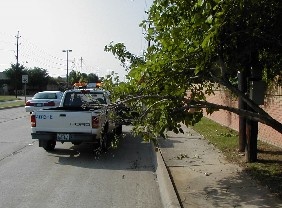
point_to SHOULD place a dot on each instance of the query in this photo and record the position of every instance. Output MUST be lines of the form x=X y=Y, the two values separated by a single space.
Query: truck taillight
x=33 y=121
x=95 y=122
x=50 y=103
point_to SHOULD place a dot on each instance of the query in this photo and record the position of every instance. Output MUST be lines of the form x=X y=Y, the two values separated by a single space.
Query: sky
x=47 y=27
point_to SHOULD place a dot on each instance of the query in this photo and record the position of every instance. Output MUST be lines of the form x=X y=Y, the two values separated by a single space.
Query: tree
x=38 y=78
x=74 y=77
x=92 y=78
x=14 y=73
x=196 y=46
x=83 y=77
x=61 y=82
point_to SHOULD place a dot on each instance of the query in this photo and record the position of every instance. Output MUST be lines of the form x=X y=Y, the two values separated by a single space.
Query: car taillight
x=50 y=103
x=29 y=104
x=95 y=122
x=33 y=121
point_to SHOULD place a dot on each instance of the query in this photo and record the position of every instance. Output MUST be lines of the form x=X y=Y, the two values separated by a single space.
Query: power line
x=34 y=56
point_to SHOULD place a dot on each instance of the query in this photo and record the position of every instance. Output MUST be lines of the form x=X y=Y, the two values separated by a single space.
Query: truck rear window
x=77 y=99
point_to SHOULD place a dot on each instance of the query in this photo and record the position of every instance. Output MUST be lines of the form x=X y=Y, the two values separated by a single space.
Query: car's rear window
x=45 y=96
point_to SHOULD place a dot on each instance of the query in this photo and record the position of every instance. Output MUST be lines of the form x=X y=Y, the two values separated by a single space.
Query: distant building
x=3 y=76
x=3 y=84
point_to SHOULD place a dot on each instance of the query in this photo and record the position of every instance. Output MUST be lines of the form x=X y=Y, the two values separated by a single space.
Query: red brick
x=267 y=134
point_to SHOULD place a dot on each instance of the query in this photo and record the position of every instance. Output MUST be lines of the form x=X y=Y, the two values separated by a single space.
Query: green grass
x=4 y=98
x=267 y=170
x=16 y=101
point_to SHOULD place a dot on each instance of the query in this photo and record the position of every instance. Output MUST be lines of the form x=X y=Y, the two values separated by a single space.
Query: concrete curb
x=167 y=191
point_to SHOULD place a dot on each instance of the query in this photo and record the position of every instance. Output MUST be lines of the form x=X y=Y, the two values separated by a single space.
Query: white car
x=43 y=100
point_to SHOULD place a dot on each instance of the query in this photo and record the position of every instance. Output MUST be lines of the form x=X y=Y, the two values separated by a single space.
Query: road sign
x=25 y=79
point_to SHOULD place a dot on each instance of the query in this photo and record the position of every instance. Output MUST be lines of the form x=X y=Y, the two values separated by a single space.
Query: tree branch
x=245 y=113
x=236 y=91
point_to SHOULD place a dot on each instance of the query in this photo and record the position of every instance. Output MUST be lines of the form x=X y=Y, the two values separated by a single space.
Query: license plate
x=63 y=137
x=38 y=104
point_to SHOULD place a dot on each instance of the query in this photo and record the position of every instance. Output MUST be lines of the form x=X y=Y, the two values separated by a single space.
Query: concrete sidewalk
x=203 y=178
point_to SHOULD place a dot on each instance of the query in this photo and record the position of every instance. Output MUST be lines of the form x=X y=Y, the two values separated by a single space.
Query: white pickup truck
x=84 y=115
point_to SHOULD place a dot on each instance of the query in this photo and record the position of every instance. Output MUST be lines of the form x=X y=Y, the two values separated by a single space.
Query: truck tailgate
x=64 y=121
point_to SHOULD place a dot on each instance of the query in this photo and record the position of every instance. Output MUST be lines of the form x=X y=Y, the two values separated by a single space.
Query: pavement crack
x=19 y=150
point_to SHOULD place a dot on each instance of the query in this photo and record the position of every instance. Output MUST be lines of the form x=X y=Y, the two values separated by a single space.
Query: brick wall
x=273 y=106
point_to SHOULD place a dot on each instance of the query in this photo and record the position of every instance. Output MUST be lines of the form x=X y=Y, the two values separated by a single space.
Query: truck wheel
x=76 y=143
x=104 y=142
x=50 y=145
x=118 y=130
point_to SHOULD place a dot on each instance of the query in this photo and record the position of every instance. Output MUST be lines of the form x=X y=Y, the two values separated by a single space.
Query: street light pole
x=17 y=65
x=67 y=66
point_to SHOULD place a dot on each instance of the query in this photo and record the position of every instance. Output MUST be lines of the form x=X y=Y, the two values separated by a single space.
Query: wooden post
x=251 y=140
x=257 y=93
x=242 y=86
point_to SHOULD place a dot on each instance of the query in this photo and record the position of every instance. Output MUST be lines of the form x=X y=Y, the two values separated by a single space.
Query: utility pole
x=81 y=64
x=67 y=51
x=257 y=94
x=17 y=65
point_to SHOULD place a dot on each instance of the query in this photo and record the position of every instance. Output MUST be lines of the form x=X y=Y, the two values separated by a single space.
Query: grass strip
x=267 y=170
x=4 y=98
x=12 y=104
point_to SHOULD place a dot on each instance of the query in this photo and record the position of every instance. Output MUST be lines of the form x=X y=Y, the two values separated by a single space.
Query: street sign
x=24 y=79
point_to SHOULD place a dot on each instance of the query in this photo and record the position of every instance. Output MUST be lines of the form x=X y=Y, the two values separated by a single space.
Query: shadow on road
x=130 y=154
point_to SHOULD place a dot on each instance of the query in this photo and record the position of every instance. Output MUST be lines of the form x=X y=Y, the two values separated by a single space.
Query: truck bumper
x=71 y=137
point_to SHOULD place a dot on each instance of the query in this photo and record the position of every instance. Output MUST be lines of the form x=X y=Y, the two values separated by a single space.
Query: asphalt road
x=72 y=176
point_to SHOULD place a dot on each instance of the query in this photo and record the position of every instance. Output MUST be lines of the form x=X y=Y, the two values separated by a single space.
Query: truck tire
x=50 y=145
x=118 y=130
x=76 y=143
x=104 y=142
